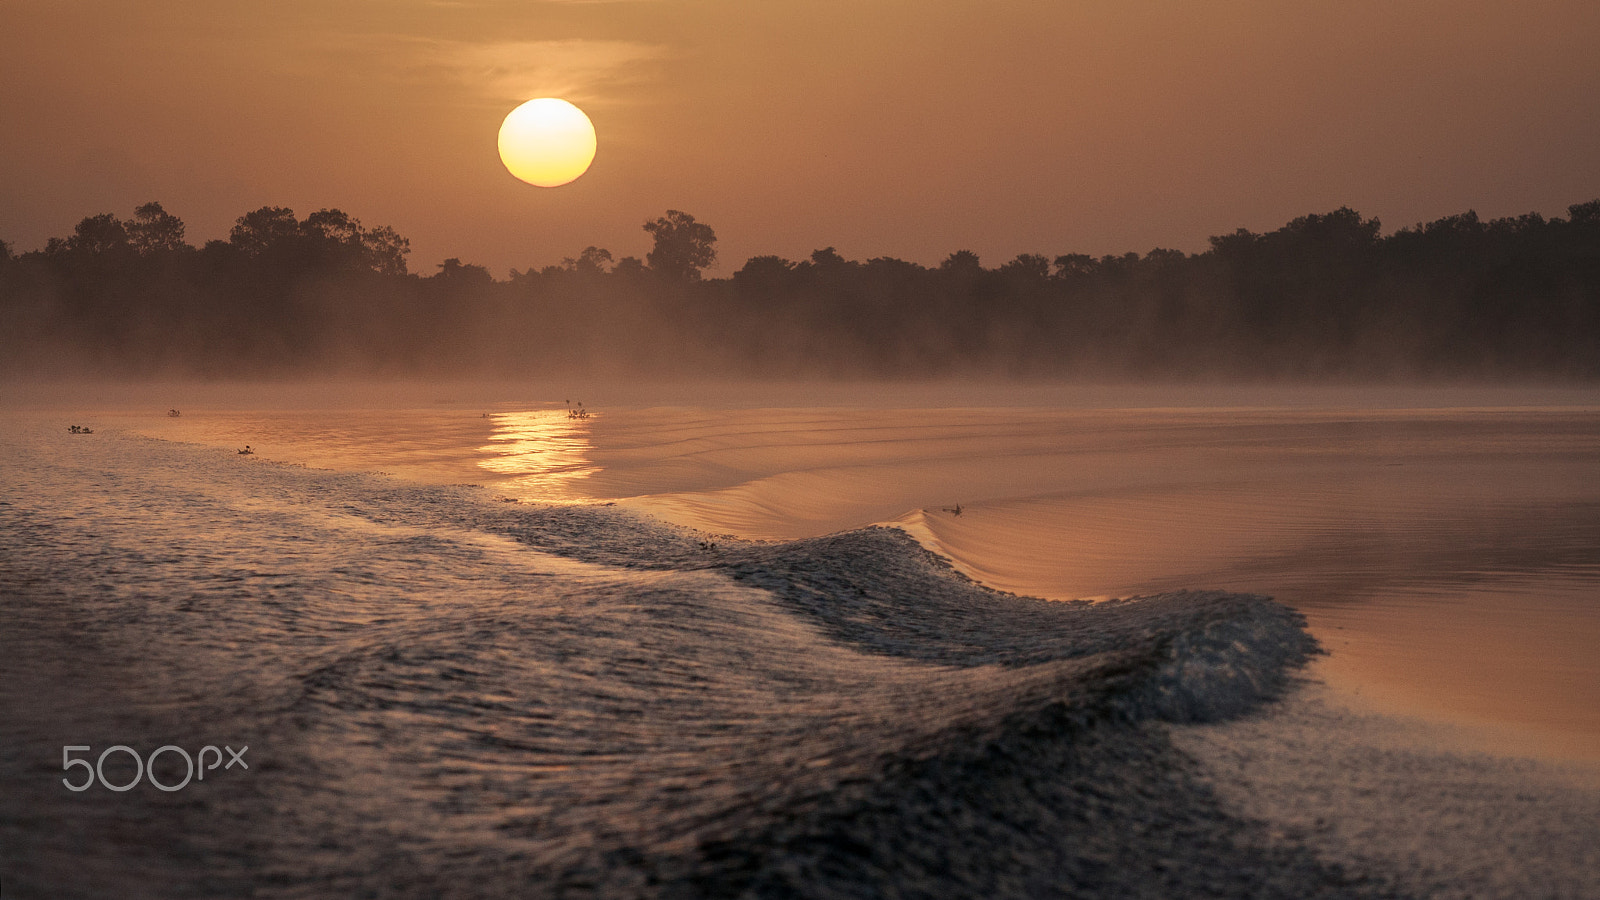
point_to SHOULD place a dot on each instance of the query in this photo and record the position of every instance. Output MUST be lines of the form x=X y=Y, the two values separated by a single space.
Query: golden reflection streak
x=545 y=453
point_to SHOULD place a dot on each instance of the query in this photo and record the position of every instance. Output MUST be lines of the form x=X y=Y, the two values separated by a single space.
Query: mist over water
x=1325 y=296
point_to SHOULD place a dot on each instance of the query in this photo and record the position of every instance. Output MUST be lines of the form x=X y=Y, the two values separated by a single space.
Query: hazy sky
x=906 y=129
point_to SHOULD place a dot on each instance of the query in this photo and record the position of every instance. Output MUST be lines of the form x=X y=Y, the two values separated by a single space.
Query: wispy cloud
x=573 y=68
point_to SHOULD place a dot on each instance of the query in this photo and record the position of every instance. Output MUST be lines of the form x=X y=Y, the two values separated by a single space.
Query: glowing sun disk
x=547 y=142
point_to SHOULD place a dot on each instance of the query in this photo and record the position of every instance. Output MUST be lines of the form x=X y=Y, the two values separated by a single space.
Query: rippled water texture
x=1445 y=543
x=449 y=694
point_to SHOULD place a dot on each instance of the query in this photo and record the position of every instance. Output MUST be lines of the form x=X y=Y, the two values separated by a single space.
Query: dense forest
x=1325 y=296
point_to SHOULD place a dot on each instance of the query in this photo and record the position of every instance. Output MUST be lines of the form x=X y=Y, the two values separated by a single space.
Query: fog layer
x=1326 y=295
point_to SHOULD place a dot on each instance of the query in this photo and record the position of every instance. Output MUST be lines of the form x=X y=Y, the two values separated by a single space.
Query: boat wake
x=446 y=695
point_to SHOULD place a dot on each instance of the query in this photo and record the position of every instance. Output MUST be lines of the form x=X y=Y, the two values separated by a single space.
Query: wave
x=451 y=695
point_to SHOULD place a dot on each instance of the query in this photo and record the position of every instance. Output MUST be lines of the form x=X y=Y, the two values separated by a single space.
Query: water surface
x=1444 y=545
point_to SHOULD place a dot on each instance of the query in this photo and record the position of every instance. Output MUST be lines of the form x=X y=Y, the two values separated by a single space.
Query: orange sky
x=906 y=129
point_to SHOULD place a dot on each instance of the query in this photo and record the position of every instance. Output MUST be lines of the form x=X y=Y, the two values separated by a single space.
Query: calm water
x=1444 y=545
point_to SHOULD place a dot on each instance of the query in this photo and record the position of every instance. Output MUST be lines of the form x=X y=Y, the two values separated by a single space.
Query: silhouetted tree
x=333 y=226
x=331 y=239
x=828 y=263
x=592 y=261
x=1237 y=245
x=386 y=250
x=1585 y=214
x=763 y=274
x=1075 y=265
x=963 y=262
x=454 y=271
x=630 y=267
x=104 y=233
x=1165 y=259
x=1028 y=265
x=153 y=230
x=683 y=246
x=1326 y=294
x=261 y=230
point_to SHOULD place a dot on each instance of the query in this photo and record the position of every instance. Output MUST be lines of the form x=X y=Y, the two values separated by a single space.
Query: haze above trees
x=1326 y=295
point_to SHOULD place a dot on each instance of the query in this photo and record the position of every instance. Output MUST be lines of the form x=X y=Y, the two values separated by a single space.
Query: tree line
x=1325 y=296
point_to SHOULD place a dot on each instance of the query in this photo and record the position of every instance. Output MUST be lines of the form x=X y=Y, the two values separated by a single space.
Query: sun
x=547 y=142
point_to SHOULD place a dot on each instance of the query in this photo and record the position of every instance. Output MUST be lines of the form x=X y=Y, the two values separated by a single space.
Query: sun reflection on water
x=544 y=453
